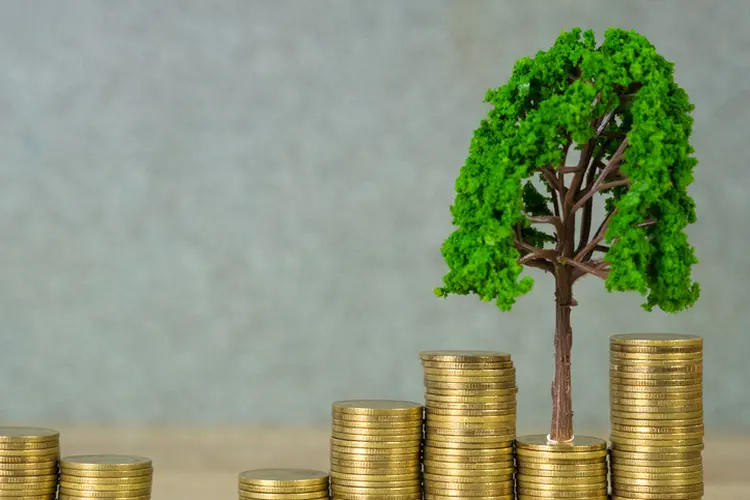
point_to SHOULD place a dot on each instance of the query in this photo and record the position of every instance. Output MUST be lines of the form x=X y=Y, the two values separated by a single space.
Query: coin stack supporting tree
x=577 y=469
x=28 y=462
x=470 y=424
x=656 y=401
x=283 y=484
x=375 y=450
x=105 y=477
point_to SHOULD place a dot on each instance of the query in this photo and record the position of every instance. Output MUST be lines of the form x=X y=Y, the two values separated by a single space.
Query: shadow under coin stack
x=283 y=484
x=105 y=477
x=470 y=424
x=28 y=462
x=575 y=470
x=375 y=450
x=656 y=402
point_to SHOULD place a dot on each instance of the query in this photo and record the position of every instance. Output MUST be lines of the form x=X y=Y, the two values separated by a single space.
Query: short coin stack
x=575 y=470
x=28 y=462
x=283 y=484
x=656 y=401
x=110 y=477
x=375 y=450
x=470 y=424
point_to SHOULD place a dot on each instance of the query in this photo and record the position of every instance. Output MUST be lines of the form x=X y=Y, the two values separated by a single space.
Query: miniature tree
x=619 y=106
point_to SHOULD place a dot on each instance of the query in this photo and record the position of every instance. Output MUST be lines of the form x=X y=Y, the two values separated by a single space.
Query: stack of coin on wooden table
x=575 y=470
x=470 y=424
x=28 y=462
x=283 y=484
x=656 y=400
x=107 y=477
x=375 y=450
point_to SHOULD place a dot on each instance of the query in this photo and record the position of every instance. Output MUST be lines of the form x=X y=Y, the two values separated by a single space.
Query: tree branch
x=588 y=207
x=611 y=165
x=549 y=176
x=598 y=269
x=583 y=254
x=547 y=219
x=575 y=184
x=613 y=184
x=534 y=257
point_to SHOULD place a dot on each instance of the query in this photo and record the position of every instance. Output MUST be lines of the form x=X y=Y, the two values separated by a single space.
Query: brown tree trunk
x=562 y=401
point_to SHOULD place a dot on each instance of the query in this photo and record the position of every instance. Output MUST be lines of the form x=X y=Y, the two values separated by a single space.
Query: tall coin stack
x=28 y=462
x=470 y=424
x=283 y=484
x=656 y=403
x=575 y=470
x=375 y=450
x=105 y=477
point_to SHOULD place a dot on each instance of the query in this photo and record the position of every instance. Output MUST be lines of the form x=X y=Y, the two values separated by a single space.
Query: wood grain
x=204 y=463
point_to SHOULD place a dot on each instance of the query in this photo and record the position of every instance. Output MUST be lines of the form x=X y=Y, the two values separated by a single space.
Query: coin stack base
x=470 y=424
x=110 y=477
x=656 y=403
x=575 y=470
x=28 y=462
x=375 y=450
x=283 y=484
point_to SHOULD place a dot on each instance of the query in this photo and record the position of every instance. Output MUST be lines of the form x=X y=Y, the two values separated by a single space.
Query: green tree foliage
x=617 y=103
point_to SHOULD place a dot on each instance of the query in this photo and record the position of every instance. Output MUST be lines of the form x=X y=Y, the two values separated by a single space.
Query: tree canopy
x=619 y=105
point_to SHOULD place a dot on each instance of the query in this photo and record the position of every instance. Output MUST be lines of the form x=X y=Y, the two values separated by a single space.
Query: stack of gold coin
x=283 y=484
x=470 y=424
x=107 y=477
x=375 y=450
x=574 y=470
x=656 y=406
x=28 y=462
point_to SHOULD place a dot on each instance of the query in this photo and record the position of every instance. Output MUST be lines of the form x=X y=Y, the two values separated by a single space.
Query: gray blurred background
x=226 y=212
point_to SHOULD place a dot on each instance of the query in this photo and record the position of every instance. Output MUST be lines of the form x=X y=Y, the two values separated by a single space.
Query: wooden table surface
x=193 y=464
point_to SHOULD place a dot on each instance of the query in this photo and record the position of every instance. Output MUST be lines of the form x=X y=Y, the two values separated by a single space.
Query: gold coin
x=283 y=496
x=104 y=494
x=647 y=364
x=469 y=489
x=46 y=482
x=575 y=474
x=685 y=488
x=649 y=479
x=570 y=483
x=404 y=445
x=431 y=418
x=398 y=432
x=440 y=464
x=406 y=440
x=657 y=447
x=442 y=382
x=463 y=444
x=658 y=469
x=16 y=434
x=616 y=435
x=651 y=457
x=284 y=477
x=377 y=420
x=454 y=493
x=142 y=486
x=105 y=462
x=396 y=491
x=655 y=391
x=540 y=443
x=500 y=440
x=643 y=415
x=376 y=485
x=657 y=496
x=525 y=492
x=657 y=396
x=561 y=455
x=617 y=464
x=124 y=481
x=467 y=454
x=557 y=459
x=430 y=496
x=627 y=401
x=563 y=469
x=464 y=356
x=626 y=356
x=96 y=474
x=488 y=372
x=469 y=386
x=641 y=422
x=431 y=412
x=22 y=465
x=410 y=476
x=670 y=340
x=29 y=445
x=437 y=478
x=377 y=425
x=460 y=367
x=667 y=410
x=470 y=407
x=27 y=473
x=462 y=395
x=365 y=451
x=368 y=464
x=356 y=496
x=451 y=471
x=471 y=460
x=377 y=407
x=630 y=378
x=653 y=372
x=283 y=489
x=38 y=452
